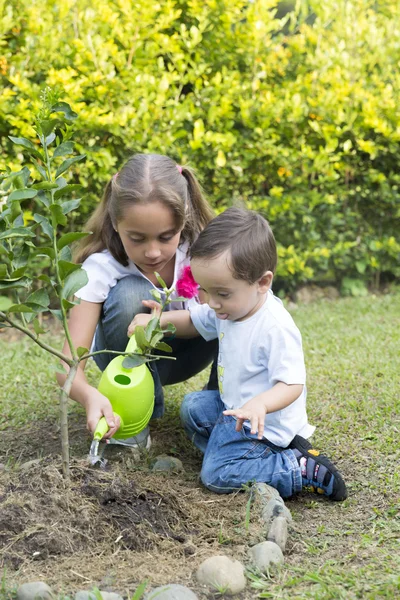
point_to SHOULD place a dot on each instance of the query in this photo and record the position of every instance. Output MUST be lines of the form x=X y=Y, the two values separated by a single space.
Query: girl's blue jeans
x=122 y=304
x=234 y=458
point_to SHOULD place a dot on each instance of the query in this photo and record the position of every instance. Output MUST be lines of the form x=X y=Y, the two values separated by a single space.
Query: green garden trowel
x=131 y=394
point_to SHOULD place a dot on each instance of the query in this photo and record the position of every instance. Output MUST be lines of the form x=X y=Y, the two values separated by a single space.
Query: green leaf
x=66 y=268
x=45 y=225
x=48 y=125
x=19 y=308
x=58 y=216
x=3 y=272
x=45 y=185
x=26 y=144
x=37 y=327
x=40 y=168
x=69 y=205
x=156 y=294
x=17 y=274
x=66 y=189
x=5 y=303
x=65 y=108
x=67 y=304
x=67 y=163
x=66 y=254
x=74 y=282
x=47 y=279
x=45 y=251
x=22 y=194
x=160 y=280
x=140 y=338
x=179 y=299
x=164 y=347
x=169 y=328
x=130 y=362
x=150 y=327
x=64 y=149
x=81 y=351
x=23 y=283
x=40 y=297
x=68 y=238
x=21 y=232
x=50 y=139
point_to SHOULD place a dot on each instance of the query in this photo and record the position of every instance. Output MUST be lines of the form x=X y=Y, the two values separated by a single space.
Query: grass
x=339 y=551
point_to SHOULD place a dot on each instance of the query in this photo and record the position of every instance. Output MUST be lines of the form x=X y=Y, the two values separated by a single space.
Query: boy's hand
x=254 y=411
x=144 y=318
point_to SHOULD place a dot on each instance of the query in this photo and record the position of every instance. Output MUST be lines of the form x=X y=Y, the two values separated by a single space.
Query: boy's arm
x=278 y=397
x=179 y=318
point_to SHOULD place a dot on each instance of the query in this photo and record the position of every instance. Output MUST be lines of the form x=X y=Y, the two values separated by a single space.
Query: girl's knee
x=127 y=295
x=185 y=409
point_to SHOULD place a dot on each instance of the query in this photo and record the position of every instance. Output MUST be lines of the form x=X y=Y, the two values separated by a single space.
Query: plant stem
x=64 y=396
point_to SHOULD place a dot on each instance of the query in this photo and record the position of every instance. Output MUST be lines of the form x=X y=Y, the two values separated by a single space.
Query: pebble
x=84 y=595
x=275 y=508
x=222 y=574
x=266 y=554
x=167 y=464
x=171 y=592
x=278 y=532
x=34 y=590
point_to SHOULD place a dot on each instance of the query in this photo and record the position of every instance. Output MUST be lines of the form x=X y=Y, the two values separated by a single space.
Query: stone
x=278 y=532
x=172 y=591
x=34 y=590
x=266 y=554
x=167 y=464
x=86 y=595
x=222 y=574
x=266 y=492
x=275 y=508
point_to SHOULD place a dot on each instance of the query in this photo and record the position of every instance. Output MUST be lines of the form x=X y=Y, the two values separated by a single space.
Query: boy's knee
x=210 y=478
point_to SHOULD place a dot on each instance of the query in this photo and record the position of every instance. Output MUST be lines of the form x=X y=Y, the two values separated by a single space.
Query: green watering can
x=131 y=394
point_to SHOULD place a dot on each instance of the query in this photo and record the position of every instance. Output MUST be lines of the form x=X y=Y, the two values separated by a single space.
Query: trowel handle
x=101 y=429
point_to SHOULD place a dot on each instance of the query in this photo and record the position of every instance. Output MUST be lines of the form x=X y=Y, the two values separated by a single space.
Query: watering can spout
x=131 y=394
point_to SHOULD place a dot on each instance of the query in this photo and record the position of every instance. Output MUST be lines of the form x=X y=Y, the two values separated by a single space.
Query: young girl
x=151 y=212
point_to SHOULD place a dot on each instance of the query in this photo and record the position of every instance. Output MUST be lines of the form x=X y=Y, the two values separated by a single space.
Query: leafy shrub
x=296 y=116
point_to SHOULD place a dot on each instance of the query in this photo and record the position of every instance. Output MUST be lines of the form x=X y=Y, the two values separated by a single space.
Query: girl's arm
x=180 y=318
x=278 y=397
x=82 y=324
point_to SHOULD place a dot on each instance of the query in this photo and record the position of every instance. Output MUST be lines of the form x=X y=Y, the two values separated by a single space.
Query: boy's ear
x=265 y=282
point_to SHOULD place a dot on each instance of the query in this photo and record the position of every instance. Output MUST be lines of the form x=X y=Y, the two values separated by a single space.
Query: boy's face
x=231 y=299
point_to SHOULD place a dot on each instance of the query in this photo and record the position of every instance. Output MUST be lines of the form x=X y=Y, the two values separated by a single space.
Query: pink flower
x=186 y=285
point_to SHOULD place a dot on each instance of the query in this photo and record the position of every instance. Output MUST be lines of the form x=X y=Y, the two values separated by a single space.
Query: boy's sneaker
x=318 y=474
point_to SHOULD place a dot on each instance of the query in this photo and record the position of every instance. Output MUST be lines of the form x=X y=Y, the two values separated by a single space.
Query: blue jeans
x=122 y=304
x=233 y=458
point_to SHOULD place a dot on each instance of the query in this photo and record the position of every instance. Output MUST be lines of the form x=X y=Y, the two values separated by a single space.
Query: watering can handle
x=101 y=429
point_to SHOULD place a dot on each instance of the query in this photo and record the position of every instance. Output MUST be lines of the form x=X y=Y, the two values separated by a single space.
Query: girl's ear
x=265 y=282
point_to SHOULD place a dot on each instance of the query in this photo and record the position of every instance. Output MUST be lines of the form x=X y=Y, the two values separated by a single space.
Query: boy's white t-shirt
x=104 y=272
x=254 y=355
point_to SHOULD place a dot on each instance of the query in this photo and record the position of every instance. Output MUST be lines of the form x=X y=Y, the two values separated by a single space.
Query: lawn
x=346 y=550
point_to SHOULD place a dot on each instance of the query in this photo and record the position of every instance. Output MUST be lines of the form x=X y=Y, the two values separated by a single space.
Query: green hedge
x=297 y=116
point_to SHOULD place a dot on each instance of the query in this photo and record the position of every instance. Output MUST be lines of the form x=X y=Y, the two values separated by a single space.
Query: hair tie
x=115 y=176
x=179 y=168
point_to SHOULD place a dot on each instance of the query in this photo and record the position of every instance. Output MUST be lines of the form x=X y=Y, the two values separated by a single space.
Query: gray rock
x=278 y=532
x=172 y=591
x=29 y=464
x=34 y=590
x=266 y=554
x=222 y=574
x=275 y=508
x=85 y=595
x=167 y=464
x=266 y=492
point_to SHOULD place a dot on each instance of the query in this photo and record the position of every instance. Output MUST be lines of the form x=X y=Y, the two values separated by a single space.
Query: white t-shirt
x=104 y=272
x=254 y=355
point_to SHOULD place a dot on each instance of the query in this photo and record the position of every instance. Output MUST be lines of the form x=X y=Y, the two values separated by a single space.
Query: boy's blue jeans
x=233 y=458
x=122 y=304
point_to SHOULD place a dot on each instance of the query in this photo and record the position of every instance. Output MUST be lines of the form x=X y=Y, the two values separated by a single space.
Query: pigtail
x=199 y=212
x=103 y=235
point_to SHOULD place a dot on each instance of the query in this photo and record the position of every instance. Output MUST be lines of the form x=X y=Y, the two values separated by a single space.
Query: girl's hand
x=253 y=411
x=98 y=406
x=144 y=318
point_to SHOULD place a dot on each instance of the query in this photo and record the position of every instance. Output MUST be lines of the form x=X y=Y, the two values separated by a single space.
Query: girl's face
x=149 y=235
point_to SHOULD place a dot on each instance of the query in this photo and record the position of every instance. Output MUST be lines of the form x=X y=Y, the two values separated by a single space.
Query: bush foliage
x=295 y=113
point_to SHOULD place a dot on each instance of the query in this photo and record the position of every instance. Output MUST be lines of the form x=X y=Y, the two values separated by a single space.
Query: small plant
x=34 y=210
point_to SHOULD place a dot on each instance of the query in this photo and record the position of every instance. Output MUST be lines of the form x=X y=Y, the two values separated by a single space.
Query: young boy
x=255 y=427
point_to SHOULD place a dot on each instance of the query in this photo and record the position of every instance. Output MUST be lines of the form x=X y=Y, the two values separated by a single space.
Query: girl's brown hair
x=143 y=179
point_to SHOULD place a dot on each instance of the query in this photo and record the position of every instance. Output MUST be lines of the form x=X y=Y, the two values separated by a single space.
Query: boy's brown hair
x=248 y=237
